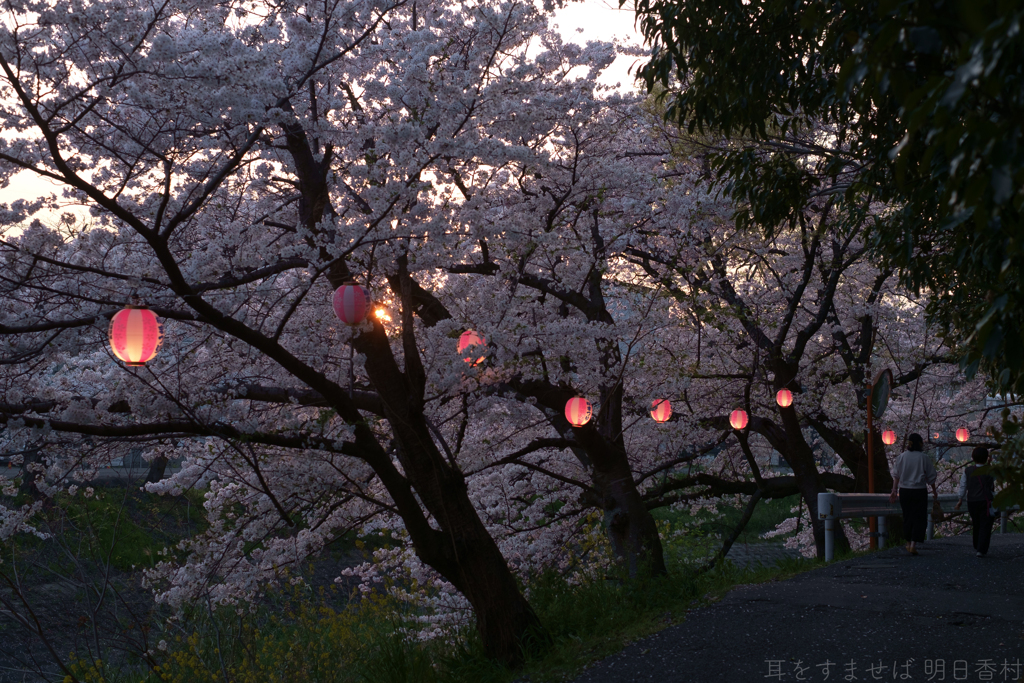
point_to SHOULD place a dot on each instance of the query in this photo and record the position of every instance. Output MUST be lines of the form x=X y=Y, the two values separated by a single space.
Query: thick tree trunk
x=854 y=456
x=631 y=529
x=156 y=470
x=629 y=525
x=461 y=550
x=508 y=626
x=32 y=457
x=800 y=457
x=471 y=560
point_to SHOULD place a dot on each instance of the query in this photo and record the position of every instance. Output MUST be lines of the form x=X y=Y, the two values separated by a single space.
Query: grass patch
x=124 y=527
x=369 y=640
x=767 y=515
x=128 y=527
x=299 y=638
x=306 y=635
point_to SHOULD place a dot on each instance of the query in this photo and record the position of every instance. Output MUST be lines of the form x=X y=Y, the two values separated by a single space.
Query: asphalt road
x=944 y=615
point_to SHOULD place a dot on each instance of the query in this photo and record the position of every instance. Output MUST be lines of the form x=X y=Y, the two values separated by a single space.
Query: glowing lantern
x=578 y=411
x=350 y=304
x=738 y=419
x=888 y=437
x=471 y=338
x=784 y=398
x=661 y=410
x=135 y=335
x=962 y=435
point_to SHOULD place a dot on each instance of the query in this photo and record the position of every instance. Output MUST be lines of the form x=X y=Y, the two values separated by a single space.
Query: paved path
x=744 y=555
x=945 y=615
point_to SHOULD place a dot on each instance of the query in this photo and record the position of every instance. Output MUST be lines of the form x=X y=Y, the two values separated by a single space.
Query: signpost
x=878 y=401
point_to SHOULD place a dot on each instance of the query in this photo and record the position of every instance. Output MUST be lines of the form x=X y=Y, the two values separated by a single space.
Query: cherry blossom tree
x=803 y=310
x=239 y=161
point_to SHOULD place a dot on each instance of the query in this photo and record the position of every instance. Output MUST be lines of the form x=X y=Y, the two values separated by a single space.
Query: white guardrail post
x=829 y=509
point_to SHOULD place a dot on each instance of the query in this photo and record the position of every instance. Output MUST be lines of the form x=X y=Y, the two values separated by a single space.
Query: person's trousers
x=915 y=513
x=981 y=525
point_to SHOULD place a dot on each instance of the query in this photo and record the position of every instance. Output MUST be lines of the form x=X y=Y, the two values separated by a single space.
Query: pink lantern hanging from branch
x=888 y=437
x=661 y=410
x=784 y=398
x=472 y=338
x=135 y=335
x=962 y=434
x=350 y=304
x=738 y=419
x=578 y=411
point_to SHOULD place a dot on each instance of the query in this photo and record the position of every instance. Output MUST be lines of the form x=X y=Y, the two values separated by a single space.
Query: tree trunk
x=508 y=626
x=800 y=457
x=631 y=529
x=461 y=549
x=854 y=456
x=156 y=469
x=32 y=456
x=629 y=525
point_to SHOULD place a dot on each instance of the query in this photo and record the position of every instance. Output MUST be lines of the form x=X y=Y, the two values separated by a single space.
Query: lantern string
x=351 y=372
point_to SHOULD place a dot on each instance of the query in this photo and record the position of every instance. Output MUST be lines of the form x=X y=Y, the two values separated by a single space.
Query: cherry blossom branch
x=689 y=456
x=740 y=526
x=181 y=428
x=558 y=477
x=91 y=320
x=535 y=445
x=715 y=486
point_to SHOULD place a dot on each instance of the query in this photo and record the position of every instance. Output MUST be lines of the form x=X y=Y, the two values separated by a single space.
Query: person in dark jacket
x=979 y=490
x=913 y=471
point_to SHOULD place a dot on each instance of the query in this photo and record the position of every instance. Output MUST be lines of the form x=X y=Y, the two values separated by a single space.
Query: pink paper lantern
x=471 y=338
x=888 y=437
x=784 y=398
x=135 y=335
x=578 y=411
x=350 y=304
x=661 y=410
x=962 y=435
x=738 y=419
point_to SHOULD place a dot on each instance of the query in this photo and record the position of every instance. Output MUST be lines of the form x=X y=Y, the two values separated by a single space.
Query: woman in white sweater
x=913 y=471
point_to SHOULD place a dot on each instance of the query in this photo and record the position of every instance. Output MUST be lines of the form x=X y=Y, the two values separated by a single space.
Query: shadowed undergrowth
x=306 y=633
x=312 y=635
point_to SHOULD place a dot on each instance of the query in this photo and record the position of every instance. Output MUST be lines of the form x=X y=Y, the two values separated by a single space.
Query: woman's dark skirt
x=915 y=513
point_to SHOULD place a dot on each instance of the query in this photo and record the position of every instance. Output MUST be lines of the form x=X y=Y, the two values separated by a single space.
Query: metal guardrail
x=833 y=506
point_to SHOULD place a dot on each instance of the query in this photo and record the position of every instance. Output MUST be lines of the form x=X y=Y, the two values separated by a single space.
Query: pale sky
x=601 y=20
x=598 y=19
